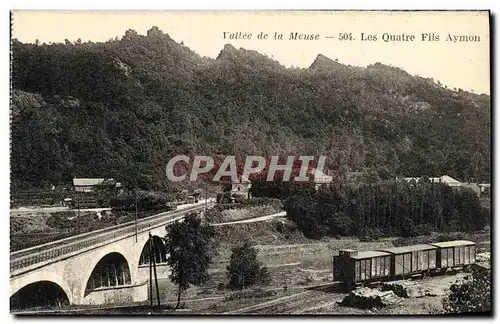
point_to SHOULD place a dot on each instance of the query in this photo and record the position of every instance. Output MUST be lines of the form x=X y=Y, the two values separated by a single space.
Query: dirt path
x=253 y=220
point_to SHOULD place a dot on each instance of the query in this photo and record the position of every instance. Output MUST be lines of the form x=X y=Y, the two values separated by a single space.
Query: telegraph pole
x=206 y=197
x=136 y=216
x=154 y=269
x=152 y=259
x=150 y=272
x=78 y=217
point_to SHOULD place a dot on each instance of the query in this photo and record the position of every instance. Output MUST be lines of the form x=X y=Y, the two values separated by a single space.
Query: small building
x=94 y=184
x=446 y=180
x=241 y=188
x=484 y=189
x=68 y=202
x=320 y=178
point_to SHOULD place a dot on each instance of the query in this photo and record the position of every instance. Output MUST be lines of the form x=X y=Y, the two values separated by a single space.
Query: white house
x=91 y=184
x=320 y=178
x=241 y=187
x=447 y=180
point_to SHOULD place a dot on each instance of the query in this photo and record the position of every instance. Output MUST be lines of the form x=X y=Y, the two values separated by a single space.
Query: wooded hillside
x=123 y=108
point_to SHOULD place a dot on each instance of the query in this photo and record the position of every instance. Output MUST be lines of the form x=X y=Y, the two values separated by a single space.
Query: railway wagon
x=413 y=259
x=455 y=253
x=352 y=266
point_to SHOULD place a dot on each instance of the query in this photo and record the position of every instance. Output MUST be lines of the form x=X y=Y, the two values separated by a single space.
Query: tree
x=244 y=268
x=470 y=295
x=190 y=252
x=408 y=228
x=122 y=108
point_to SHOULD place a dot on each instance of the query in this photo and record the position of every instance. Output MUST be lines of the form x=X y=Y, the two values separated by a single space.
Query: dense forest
x=385 y=209
x=123 y=108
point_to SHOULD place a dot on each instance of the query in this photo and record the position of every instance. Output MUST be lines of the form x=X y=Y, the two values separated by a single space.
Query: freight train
x=359 y=267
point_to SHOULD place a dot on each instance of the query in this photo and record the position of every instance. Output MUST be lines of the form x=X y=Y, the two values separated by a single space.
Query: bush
x=408 y=229
x=340 y=224
x=370 y=235
x=244 y=268
x=146 y=200
x=450 y=237
x=472 y=295
x=60 y=220
x=423 y=229
x=405 y=241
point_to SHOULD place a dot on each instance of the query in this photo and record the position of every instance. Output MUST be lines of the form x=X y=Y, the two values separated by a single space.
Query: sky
x=464 y=65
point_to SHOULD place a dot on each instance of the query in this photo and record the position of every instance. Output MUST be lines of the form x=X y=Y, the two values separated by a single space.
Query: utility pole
x=152 y=266
x=136 y=216
x=150 y=272
x=206 y=198
x=78 y=217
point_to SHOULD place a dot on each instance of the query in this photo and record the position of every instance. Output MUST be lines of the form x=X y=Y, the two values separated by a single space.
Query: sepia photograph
x=250 y=162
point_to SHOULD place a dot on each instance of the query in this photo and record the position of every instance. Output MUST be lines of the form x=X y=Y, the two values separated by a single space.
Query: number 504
x=345 y=36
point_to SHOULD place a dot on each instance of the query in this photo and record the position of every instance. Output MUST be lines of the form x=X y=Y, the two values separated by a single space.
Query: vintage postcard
x=250 y=163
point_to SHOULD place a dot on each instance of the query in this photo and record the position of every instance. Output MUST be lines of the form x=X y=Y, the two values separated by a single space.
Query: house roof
x=453 y=243
x=90 y=181
x=369 y=254
x=442 y=179
x=446 y=178
x=408 y=179
x=411 y=248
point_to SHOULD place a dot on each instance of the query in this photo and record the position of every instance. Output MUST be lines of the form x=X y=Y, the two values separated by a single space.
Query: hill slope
x=124 y=107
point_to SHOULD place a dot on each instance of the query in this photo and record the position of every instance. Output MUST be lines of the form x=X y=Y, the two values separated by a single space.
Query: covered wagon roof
x=369 y=254
x=411 y=248
x=453 y=243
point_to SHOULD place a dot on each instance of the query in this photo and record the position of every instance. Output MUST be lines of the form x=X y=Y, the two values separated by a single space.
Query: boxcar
x=353 y=266
x=455 y=253
x=409 y=260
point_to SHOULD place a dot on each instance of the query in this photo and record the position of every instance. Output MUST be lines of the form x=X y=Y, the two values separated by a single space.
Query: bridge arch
x=159 y=251
x=39 y=294
x=42 y=276
x=112 y=270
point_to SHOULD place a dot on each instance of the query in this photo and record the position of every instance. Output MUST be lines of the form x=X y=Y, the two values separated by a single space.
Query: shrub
x=244 y=268
x=450 y=237
x=408 y=229
x=369 y=235
x=423 y=229
x=472 y=295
